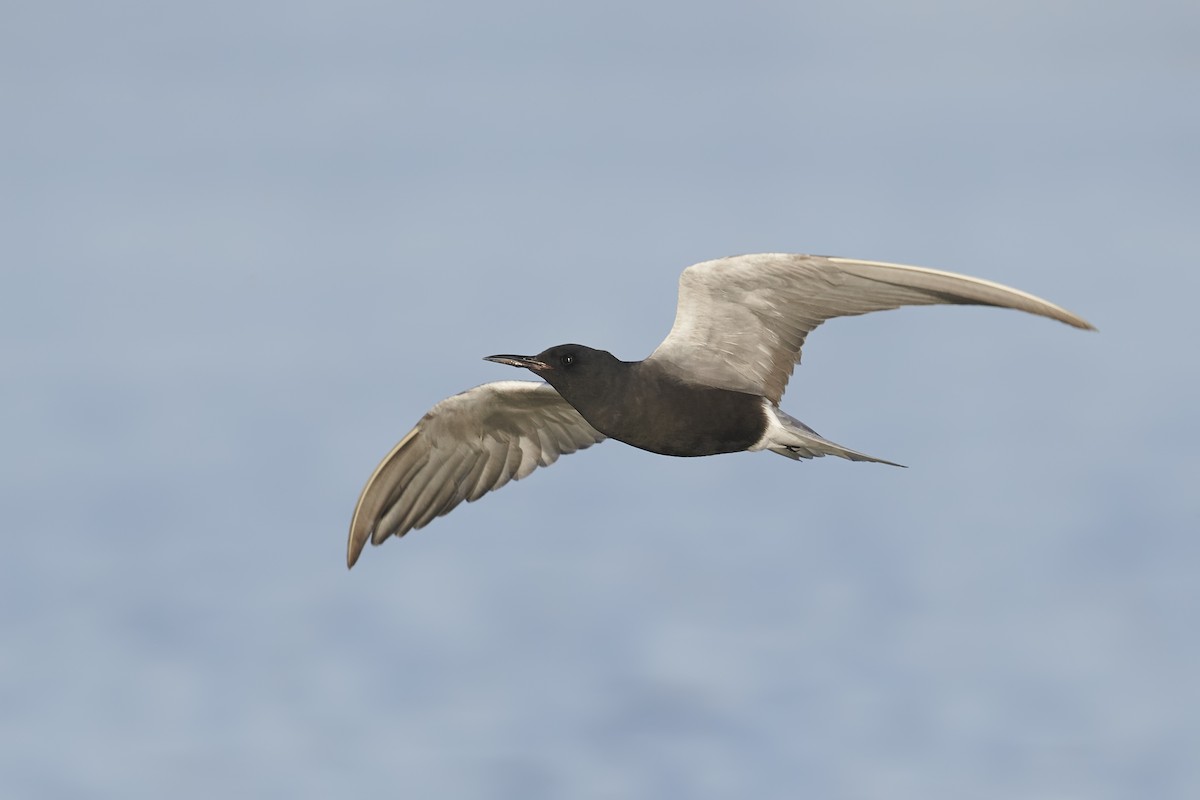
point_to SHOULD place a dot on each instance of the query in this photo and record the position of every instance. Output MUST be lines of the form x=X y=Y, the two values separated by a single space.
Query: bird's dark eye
x=566 y=360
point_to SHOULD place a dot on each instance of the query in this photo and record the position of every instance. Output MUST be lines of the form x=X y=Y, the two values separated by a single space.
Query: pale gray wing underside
x=466 y=446
x=741 y=322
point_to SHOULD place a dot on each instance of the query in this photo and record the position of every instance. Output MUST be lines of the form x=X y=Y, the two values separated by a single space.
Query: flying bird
x=713 y=385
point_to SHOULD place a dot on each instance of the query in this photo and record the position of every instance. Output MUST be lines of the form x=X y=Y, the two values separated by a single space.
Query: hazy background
x=246 y=245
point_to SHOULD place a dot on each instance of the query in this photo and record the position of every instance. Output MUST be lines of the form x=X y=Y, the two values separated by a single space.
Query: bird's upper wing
x=466 y=446
x=741 y=321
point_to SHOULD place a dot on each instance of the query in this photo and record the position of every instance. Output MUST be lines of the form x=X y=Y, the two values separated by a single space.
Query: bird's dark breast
x=677 y=419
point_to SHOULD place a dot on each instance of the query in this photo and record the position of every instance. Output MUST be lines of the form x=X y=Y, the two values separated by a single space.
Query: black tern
x=713 y=385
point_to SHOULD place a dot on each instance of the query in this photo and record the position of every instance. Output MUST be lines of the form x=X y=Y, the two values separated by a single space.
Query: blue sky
x=246 y=246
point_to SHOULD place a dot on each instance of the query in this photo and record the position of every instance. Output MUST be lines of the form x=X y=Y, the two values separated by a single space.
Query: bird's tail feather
x=792 y=438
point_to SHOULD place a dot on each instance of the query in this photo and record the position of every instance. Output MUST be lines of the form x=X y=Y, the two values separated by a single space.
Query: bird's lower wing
x=741 y=322
x=466 y=446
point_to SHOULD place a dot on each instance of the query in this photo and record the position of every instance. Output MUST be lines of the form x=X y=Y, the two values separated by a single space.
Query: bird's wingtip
x=353 y=551
x=369 y=504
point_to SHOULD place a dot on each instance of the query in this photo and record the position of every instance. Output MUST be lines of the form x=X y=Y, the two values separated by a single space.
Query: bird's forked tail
x=790 y=437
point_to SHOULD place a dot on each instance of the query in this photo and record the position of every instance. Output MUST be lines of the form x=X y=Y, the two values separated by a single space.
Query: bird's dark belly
x=700 y=421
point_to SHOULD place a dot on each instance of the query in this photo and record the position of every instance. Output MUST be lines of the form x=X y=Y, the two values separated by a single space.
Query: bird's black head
x=569 y=367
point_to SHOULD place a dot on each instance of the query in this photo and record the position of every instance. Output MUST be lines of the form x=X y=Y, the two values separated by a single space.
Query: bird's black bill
x=528 y=362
